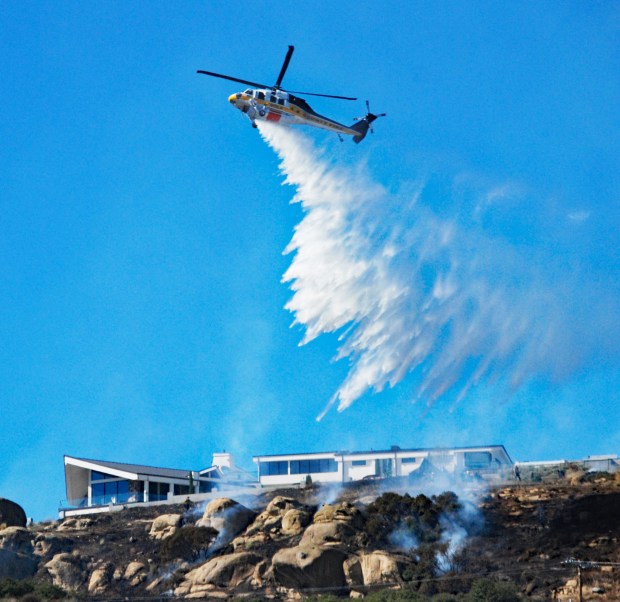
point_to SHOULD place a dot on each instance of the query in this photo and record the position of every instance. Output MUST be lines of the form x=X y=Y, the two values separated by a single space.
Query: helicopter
x=275 y=104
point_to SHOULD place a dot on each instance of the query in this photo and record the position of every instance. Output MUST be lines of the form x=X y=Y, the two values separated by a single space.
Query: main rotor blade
x=324 y=95
x=287 y=60
x=234 y=79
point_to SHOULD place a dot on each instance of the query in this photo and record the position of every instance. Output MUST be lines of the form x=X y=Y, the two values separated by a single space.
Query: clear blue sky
x=143 y=224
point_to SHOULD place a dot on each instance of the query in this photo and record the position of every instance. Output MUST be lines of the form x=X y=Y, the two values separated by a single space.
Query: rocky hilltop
x=537 y=541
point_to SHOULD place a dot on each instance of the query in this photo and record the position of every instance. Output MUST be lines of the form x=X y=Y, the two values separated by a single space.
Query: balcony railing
x=116 y=499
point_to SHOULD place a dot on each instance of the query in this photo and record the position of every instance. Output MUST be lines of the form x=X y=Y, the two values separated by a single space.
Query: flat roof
x=385 y=451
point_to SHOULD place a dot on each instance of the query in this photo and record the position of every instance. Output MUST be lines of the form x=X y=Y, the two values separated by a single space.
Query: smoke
x=415 y=294
x=455 y=531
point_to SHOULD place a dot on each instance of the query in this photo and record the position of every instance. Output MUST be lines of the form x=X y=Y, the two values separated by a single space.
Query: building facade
x=344 y=466
x=99 y=485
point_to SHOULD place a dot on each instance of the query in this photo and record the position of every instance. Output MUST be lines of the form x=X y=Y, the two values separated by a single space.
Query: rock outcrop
x=11 y=514
x=17 y=553
x=68 y=571
x=100 y=578
x=374 y=568
x=289 y=549
x=232 y=571
x=227 y=517
x=165 y=525
x=304 y=567
x=135 y=573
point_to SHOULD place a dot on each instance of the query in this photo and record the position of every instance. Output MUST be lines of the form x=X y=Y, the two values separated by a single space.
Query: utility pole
x=585 y=564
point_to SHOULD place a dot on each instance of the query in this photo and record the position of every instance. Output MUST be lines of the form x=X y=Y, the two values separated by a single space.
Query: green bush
x=10 y=588
x=50 y=592
x=489 y=590
x=395 y=595
x=29 y=590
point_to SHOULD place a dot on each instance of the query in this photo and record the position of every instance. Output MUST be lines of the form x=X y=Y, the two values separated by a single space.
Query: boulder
x=294 y=521
x=342 y=512
x=165 y=525
x=373 y=568
x=75 y=524
x=16 y=566
x=271 y=519
x=135 y=573
x=67 y=571
x=227 y=517
x=47 y=545
x=11 y=514
x=327 y=534
x=230 y=571
x=101 y=578
x=309 y=567
x=17 y=553
x=17 y=539
x=245 y=543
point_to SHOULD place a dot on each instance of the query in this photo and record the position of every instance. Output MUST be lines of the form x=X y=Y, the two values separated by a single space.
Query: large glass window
x=273 y=468
x=476 y=460
x=158 y=491
x=314 y=466
x=95 y=475
x=358 y=463
x=110 y=491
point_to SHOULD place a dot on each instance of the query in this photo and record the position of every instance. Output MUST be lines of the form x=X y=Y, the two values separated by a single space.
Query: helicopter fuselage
x=279 y=106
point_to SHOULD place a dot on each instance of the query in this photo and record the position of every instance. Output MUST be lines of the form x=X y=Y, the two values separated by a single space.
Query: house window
x=477 y=460
x=314 y=466
x=158 y=491
x=273 y=468
x=181 y=490
x=409 y=460
x=110 y=491
x=95 y=475
x=358 y=463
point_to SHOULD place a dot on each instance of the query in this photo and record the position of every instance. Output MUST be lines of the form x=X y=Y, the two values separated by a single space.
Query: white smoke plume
x=411 y=293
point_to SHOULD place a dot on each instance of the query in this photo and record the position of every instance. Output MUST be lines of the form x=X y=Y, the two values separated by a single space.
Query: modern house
x=98 y=486
x=536 y=470
x=345 y=466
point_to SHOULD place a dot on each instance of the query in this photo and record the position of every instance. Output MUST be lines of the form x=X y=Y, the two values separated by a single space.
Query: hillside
x=291 y=544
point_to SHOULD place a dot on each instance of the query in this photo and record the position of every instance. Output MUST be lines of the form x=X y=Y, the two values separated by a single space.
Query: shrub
x=30 y=591
x=416 y=517
x=395 y=595
x=49 y=591
x=10 y=588
x=488 y=590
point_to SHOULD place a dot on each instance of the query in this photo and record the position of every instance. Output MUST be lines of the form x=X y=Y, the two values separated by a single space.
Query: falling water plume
x=411 y=293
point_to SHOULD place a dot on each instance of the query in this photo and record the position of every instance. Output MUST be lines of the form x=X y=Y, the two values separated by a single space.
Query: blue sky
x=143 y=224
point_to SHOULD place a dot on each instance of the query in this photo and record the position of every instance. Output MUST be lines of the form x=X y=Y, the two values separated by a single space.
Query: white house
x=98 y=485
x=345 y=466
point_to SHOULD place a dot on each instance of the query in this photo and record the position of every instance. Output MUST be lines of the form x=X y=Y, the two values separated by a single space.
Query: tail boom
x=363 y=125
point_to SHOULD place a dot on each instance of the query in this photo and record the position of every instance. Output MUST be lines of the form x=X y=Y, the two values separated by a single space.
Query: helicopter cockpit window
x=272 y=98
x=280 y=101
x=248 y=92
x=261 y=95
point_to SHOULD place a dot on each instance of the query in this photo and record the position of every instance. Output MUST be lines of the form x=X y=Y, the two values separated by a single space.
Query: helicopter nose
x=232 y=99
